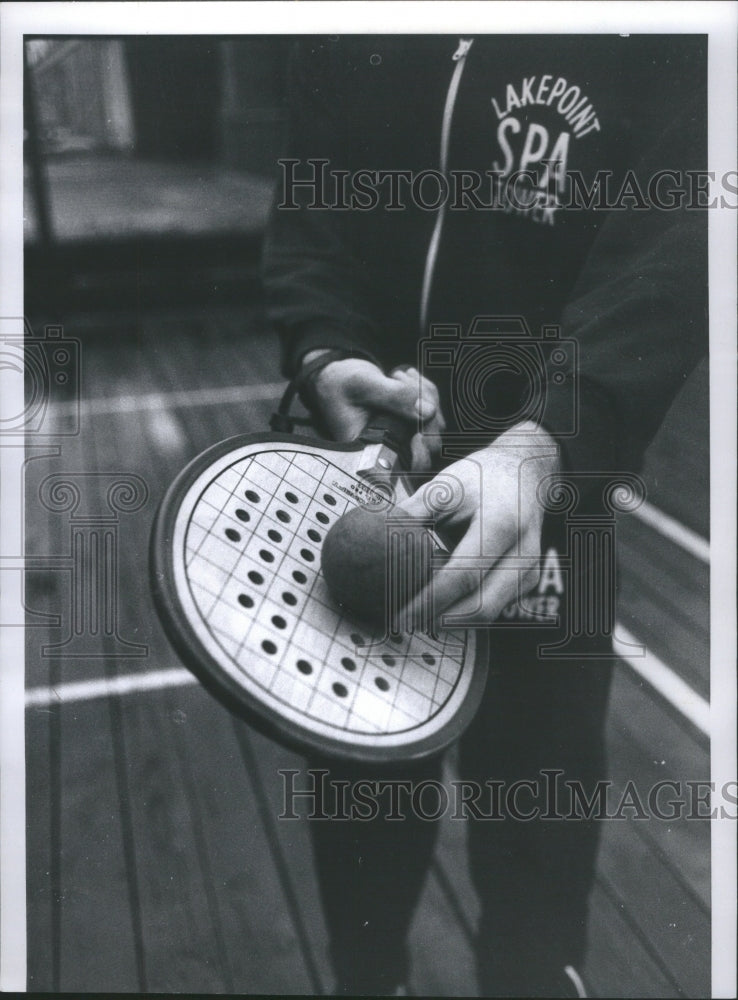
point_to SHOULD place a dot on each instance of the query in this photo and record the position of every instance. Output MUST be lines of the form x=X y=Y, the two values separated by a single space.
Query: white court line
x=165 y=429
x=103 y=687
x=185 y=397
x=656 y=673
x=668 y=683
x=674 y=530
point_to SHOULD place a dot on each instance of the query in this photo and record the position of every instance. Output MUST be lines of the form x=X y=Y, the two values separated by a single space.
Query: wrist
x=313 y=355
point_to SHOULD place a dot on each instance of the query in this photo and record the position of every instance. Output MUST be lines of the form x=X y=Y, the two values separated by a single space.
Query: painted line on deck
x=171 y=400
x=674 y=530
x=667 y=682
x=105 y=687
x=165 y=429
x=661 y=677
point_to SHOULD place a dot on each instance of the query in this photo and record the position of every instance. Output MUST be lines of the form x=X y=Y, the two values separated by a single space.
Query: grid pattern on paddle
x=252 y=551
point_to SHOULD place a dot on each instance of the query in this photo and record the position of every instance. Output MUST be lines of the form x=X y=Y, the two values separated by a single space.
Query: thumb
x=414 y=505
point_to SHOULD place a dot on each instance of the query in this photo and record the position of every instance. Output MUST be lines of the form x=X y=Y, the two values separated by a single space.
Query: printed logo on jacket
x=539 y=118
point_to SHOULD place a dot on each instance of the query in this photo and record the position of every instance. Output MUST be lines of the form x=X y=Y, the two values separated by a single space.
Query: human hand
x=350 y=391
x=500 y=518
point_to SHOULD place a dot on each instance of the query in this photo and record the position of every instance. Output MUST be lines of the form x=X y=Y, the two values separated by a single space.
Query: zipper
x=464 y=45
x=459 y=57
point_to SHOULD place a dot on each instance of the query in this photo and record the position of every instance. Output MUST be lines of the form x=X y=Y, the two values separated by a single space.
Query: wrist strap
x=302 y=384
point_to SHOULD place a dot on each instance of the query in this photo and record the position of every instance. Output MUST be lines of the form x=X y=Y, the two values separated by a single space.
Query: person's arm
x=639 y=315
x=312 y=280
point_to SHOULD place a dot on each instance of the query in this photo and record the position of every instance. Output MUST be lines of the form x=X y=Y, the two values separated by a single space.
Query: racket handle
x=393 y=432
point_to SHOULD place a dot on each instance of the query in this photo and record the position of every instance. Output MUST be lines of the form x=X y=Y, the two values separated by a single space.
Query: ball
x=373 y=559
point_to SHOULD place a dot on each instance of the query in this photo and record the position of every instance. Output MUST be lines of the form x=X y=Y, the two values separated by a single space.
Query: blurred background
x=155 y=858
x=140 y=151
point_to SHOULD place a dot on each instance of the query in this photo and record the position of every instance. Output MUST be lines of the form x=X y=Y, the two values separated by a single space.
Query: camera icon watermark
x=499 y=348
x=40 y=376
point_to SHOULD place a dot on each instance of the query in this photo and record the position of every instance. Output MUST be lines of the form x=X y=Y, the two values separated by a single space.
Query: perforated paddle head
x=237 y=582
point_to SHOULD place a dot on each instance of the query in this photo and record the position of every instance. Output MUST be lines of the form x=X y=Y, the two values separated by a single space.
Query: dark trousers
x=533 y=876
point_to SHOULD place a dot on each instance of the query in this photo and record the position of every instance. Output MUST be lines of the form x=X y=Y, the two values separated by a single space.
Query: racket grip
x=393 y=432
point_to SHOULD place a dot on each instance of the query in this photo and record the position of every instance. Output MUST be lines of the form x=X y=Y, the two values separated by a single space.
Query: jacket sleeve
x=638 y=313
x=312 y=281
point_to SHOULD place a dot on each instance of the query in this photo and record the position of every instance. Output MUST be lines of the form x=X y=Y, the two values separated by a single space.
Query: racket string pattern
x=252 y=557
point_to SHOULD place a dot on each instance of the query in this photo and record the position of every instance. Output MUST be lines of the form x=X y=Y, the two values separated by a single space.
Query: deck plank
x=622 y=959
x=668 y=637
x=43 y=590
x=94 y=941
x=39 y=856
x=661 y=869
x=443 y=961
x=669 y=919
x=179 y=917
x=100 y=936
x=292 y=842
x=646 y=744
x=677 y=467
x=648 y=556
x=258 y=929
x=180 y=925
x=617 y=964
x=664 y=601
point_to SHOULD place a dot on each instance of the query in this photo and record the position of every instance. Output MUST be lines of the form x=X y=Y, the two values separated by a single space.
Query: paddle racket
x=235 y=563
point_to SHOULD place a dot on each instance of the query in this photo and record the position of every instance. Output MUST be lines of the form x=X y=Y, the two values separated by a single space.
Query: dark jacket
x=625 y=279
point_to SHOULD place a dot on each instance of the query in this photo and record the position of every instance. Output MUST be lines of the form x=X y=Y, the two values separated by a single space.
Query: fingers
x=369 y=387
x=353 y=389
x=427 y=442
x=405 y=394
x=415 y=504
x=460 y=577
x=427 y=393
x=498 y=557
x=464 y=594
x=486 y=569
x=500 y=587
x=452 y=497
x=345 y=422
x=348 y=391
x=420 y=454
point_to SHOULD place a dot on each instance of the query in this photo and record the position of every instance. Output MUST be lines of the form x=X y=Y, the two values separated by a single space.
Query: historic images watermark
x=544 y=362
x=541 y=190
x=46 y=368
x=313 y=795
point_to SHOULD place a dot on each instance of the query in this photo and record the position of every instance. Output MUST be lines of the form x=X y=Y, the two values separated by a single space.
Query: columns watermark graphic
x=42 y=372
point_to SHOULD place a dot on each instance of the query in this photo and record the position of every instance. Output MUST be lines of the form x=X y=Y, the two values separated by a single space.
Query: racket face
x=236 y=564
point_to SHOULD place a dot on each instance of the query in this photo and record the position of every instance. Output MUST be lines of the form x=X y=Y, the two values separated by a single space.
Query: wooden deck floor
x=156 y=861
